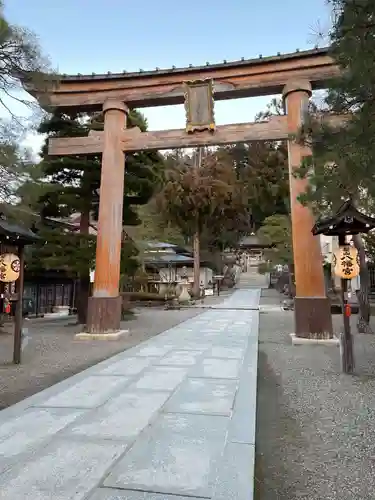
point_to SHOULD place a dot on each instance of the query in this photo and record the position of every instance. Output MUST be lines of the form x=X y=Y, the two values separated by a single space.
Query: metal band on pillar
x=110 y=104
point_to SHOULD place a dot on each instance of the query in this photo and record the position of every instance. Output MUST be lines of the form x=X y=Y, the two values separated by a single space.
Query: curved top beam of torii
x=161 y=87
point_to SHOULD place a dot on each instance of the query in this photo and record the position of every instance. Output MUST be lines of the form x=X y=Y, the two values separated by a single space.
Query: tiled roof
x=168 y=259
x=251 y=241
x=229 y=64
x=15 y=232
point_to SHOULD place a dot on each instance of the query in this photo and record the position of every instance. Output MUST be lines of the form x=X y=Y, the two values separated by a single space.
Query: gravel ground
x=53 y=354
x=315 y=426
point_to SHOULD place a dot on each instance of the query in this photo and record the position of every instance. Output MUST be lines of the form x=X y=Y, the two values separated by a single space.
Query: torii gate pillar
x=312 y=307
x=104 y=308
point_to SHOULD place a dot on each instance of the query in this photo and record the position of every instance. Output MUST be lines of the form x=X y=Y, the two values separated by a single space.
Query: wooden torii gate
x=293 y=75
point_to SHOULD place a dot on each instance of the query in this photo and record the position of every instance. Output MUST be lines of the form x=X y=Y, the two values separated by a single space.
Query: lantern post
x=351 y=269
x=18 y=317
x=12 y=266
x=347 y=221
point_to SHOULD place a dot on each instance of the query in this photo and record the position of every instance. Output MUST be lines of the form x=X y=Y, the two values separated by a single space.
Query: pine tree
x=73 y=188
x=342 y=165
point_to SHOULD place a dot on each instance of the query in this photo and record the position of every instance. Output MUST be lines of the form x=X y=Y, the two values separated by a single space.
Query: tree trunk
x=364 y=313
x=83 y=289
x=217 y=257
x=197 y=264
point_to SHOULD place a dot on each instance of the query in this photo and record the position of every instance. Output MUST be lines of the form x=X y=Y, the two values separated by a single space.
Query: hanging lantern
x=346 y=262
x=10 y=267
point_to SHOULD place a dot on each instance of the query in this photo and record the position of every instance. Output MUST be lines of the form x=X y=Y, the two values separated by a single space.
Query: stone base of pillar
x=104 y=315
x=313 y=318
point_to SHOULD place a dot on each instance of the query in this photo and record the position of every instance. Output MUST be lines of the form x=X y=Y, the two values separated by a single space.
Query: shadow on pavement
x=275 y=427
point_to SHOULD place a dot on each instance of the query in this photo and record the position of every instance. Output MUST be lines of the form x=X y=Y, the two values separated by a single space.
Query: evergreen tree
x=262 y=167
x=276 y=232
x=72 y=187
x=73 y=183
x=343 y=160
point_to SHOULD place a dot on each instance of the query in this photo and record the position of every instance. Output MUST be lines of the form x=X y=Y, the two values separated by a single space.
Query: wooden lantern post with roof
x=347 y=221
x=13 y=239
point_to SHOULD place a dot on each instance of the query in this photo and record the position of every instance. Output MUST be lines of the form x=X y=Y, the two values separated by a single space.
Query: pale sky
x=85 y=36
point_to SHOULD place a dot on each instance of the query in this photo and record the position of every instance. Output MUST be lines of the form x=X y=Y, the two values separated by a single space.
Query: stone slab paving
x=172 y=418
x=246 y=299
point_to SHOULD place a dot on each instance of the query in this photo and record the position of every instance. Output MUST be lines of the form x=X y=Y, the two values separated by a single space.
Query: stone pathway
x=173 y=418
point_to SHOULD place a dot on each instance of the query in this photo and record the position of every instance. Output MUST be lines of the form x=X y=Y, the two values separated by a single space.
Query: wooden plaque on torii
x=199 y=105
